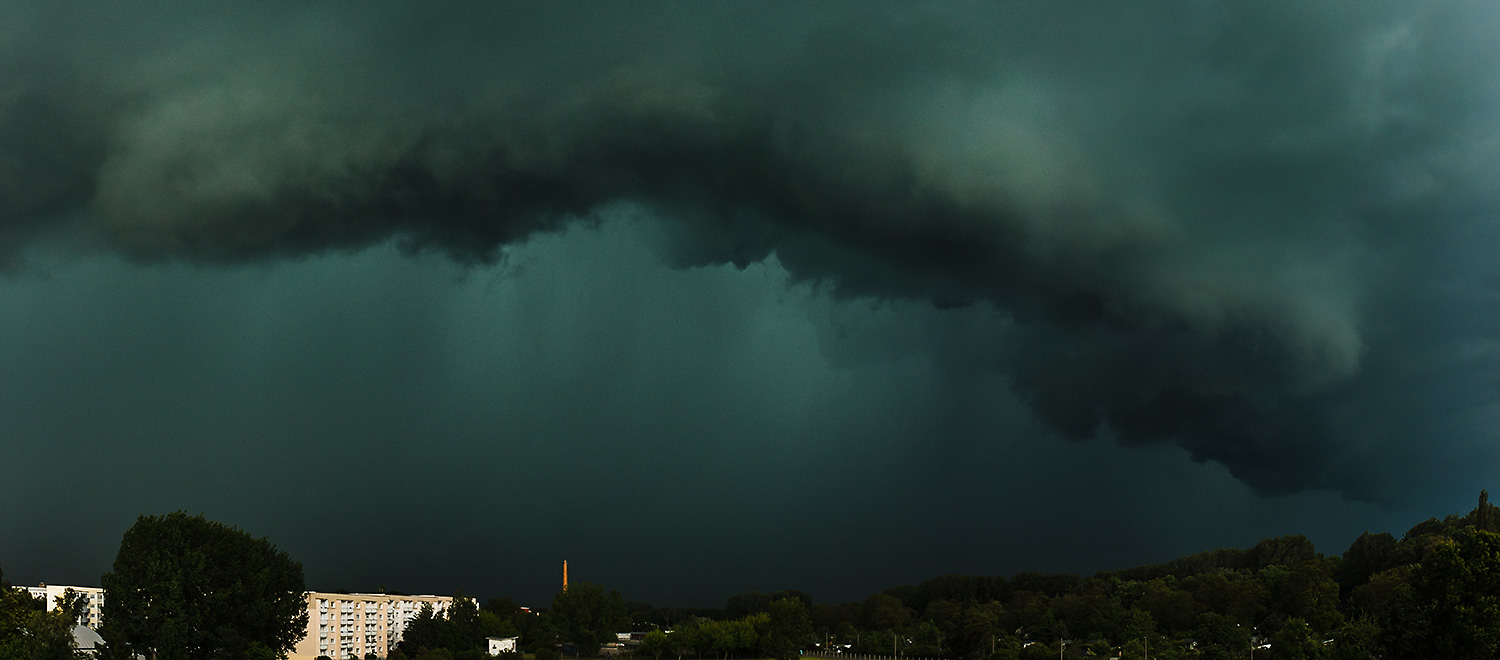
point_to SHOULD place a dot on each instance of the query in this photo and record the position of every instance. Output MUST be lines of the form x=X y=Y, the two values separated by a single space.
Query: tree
x=1483 y=517
x=29 y=632
x=1358 y=639
x=1457 y=598
x=495 y=625
x=975 y=629
x=16 y=607
x=1169 y=606
x=884 y=612
x=1295 y=641
x=1368 y=555
x=1220 y=637
x=1307 y=591
x=588 y=616
x=425 y=631
x=464 y=624
x=187 y=587
x=744 y=604
x=789 y=630
x=654 y=644
x=687 y=637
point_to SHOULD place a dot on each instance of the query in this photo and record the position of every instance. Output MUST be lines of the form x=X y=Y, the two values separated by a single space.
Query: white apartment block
x=343 y=626
x=94 y=595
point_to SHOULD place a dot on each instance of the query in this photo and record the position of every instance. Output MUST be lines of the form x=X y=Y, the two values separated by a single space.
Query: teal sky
x=679 y=434
x=715 y=297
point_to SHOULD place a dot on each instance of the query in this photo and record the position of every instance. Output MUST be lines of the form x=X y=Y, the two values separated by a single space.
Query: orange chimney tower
x=565 y=575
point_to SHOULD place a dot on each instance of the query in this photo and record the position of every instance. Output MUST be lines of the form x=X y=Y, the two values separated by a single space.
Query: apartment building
x=345 y=626
x=94 y=595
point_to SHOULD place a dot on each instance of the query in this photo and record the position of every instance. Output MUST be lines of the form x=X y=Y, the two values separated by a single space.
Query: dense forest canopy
x=1432 y=593
x=1425 y=595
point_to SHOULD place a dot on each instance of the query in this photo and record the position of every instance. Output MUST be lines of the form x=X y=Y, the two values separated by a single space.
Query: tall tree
x=1367 y=555
x=588 y=616
x=424 y=632
x=790 y=629
x=16 y=607
x=186 y=587
x=884 y=612
x=1457 y=593
x=1295 y=641
x=975 y=630
x=464 y=622
x=654 y=644
x=1484 y=514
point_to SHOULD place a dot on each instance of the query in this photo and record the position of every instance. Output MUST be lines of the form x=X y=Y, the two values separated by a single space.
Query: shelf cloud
x=1260 y=231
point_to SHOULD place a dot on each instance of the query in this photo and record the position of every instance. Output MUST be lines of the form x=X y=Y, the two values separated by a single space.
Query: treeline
x=585 y=618
x=28 y=631
x=1432 y=593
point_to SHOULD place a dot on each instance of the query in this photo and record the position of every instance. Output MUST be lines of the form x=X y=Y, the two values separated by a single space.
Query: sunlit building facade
x=345 y=626
x=94 y=597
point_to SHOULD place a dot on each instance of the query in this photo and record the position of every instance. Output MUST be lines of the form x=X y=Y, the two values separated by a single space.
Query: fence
x=856 y=656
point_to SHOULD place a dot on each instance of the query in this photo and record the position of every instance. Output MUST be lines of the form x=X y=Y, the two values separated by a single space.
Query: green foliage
x=495 y=625
x=1295 y=641
x=1368 y=555
x=460 y=629
x=974 y=629
x=28 y=632
x=1485 y=517
x=186 y=587
x=1220 y=636
x=16 y=607
x=1006 y=648
x=1457 y=599
x=1308 y=591
x=1358 y=639
x=1038 y=651
x=789 y=630
x=1435 y=593
x=424 y=632
x=1240 y=596
x=1365 y=604
x=744 y=604
x=46 y=636
x=435 y=654
x=885 y=612
x=588 y=616
x=464 y=626
x=1384 y=592
x=1172 y=608
x=654 y=644
x=1279 y=551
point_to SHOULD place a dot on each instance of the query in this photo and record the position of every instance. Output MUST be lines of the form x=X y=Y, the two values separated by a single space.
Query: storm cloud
x=1260 y=231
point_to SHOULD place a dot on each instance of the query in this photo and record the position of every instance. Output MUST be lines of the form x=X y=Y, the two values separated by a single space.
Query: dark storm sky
x=713 y=297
